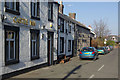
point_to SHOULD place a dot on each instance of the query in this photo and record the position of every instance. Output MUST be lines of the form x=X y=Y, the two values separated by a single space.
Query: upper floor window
x=12 y=7
x=35 y=10
x=50 y=11
x=69 y=27
x=61 y=25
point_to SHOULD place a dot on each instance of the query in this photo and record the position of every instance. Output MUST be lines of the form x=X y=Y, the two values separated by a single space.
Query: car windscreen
x=87 y=49
x=100 y=48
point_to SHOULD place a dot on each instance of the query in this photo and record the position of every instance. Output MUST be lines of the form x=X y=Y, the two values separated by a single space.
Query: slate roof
x=72 y=20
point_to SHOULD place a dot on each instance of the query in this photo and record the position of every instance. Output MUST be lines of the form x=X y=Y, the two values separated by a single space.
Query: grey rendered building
x=72 y=35
x=28 y=35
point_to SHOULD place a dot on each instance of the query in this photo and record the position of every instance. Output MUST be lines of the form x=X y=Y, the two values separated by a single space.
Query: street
x=105 y=67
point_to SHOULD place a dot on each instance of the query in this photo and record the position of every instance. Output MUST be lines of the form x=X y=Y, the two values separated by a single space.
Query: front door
x=50 y=48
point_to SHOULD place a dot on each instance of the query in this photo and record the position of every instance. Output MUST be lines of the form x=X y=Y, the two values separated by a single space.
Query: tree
x=101 y=28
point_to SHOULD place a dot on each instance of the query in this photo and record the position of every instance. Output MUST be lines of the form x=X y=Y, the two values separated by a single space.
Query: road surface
x=105 y=67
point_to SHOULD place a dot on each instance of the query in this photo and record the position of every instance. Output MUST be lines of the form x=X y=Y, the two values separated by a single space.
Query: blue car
x=101 y=50
x=88 y=52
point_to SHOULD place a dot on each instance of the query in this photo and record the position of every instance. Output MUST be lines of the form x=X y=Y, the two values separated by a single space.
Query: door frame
x=50 y=56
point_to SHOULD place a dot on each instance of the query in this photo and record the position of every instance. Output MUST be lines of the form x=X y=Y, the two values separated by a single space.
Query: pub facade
x=28 y=35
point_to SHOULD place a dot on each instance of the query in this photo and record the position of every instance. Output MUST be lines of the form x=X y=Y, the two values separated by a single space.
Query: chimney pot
x=72 y=15
x=61 y=7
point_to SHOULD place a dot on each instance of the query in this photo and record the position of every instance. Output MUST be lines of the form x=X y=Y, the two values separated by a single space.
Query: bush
x=111 y=43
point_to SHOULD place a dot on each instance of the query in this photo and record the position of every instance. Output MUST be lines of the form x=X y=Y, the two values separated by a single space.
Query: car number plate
x=86 y=53
x=99 y=52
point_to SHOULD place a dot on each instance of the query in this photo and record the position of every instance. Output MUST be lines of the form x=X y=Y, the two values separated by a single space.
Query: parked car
x=108 y=49
x=102 y=50
x=111 y=48
x=88 y=52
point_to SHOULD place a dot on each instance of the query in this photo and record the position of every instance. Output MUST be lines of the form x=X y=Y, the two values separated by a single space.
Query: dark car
x=88 y=52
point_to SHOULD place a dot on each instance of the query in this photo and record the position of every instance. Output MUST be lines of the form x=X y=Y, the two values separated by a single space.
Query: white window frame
x=34 y=40
x=49 y=10
x=9 y=40
x=34 y=3
x=9 y=4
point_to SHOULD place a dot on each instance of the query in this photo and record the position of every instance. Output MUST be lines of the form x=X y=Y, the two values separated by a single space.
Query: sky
x=88 y=12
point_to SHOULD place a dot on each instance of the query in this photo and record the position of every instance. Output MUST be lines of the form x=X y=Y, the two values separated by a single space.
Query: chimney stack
x=72 y=15
x=61 y=7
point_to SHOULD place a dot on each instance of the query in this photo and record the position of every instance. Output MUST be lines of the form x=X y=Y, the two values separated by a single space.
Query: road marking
x=91 y=76
x=100 y=67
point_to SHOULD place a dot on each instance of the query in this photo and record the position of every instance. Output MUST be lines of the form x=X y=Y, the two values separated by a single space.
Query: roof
x=72 y=20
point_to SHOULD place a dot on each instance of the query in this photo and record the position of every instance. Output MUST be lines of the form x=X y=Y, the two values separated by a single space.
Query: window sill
x=62 y=31
x=35 y=58
x=11 y=62
x=69 y=50
x=61 y=51
x=37 y=18
x=51 y=20
x=12 y=11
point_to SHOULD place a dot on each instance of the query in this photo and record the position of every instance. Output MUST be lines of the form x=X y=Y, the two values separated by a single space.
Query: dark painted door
x=50 y=48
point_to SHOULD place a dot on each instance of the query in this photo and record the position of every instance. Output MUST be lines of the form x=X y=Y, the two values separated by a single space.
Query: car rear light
x=80 y=52
x=93 y=52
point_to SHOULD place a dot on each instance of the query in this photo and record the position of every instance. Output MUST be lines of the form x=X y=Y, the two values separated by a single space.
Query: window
x=83 y=40
x=61 y=25
x=12 y=7
x=50 y=11
x=35 y=10
x=69 y=45
x=11 y=45
x=34 y=44
x=69 y=27
x=61 y=45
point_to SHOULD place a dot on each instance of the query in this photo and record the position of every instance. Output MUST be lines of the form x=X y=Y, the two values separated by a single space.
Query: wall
x=24 y=36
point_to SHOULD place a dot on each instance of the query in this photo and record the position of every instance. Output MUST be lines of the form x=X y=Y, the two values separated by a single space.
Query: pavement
x=104 y=67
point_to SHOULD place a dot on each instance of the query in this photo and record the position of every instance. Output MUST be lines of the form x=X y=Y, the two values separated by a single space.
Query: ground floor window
x=34 y=44
x=11 y=45
x=69 y=45
x=61 y=44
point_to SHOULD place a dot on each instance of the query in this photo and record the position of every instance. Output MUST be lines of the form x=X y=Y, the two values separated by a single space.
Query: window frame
x=61 y=25
x=62 y=45
x=35 y=10
x=34 y=57
x=69 y=27
x=16 y=45
x=15 y=9
x=51 y=11
x=69 y=45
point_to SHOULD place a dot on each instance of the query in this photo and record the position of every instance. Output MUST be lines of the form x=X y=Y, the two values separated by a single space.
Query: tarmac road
x=105 y=67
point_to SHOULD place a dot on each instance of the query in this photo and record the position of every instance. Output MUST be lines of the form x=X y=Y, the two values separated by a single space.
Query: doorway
x=50 y=48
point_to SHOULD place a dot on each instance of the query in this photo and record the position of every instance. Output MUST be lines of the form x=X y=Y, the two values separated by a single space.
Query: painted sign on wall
x=23 y=21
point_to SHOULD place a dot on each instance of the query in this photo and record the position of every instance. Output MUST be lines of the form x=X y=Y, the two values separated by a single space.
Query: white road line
x=100 y=67
x=91 y=76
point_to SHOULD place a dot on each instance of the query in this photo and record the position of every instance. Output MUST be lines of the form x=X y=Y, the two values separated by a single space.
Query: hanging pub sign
x=23 y=21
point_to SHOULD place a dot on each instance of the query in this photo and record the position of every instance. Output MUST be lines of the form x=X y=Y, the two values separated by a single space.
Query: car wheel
x=80 y=58
x=95 y=58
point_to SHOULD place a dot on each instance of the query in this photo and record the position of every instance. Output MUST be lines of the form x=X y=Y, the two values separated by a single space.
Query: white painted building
x=66 y=35
x=28 y=35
